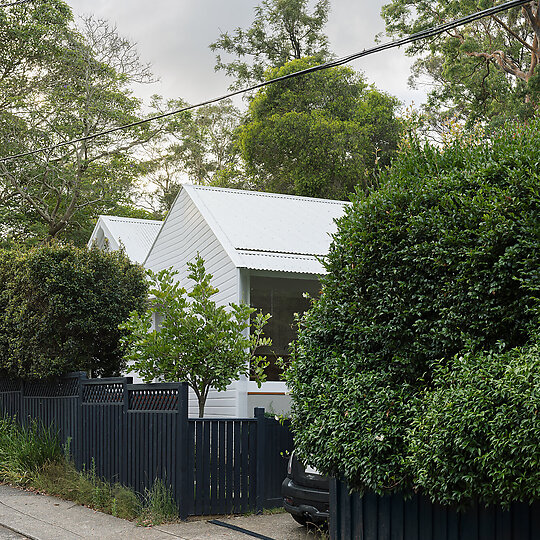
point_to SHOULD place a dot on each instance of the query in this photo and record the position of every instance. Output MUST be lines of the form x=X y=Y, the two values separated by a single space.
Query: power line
x=424 y=34
x=15 y=3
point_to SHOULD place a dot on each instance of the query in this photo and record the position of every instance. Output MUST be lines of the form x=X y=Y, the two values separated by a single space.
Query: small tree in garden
x=198 y=342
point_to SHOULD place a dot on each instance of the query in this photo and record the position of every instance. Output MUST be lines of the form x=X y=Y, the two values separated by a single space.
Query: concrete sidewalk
x=40 y=517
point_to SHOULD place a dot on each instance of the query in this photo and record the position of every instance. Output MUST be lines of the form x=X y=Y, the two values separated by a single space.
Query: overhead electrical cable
x=424 y=34
x=15 y=3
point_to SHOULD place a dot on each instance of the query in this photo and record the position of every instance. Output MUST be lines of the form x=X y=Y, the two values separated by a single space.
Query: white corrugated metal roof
x=268 y=231
x=136 y=235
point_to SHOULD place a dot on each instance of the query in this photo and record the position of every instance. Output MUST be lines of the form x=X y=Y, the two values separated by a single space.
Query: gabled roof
x=269 y=231
x=134 y=234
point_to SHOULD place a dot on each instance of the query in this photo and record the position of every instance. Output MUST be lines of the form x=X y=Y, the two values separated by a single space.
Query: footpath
x=40 y=517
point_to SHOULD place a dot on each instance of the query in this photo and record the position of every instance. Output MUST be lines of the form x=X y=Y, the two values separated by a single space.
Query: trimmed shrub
x=477 y=436
x=441 y=260
x=60 y=307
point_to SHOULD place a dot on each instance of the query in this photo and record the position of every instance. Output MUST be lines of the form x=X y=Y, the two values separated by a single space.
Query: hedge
x=60 y=307
x=442 y=260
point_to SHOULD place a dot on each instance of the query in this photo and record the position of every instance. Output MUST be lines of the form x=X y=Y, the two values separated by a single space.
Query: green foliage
x=61 y=307
x=80 y=86
x=481 y=71
x=60 y=478
x=160 y=506
x=318 y=135
x=197 y=341
x=477 y=433
x=25 y=450
x=282 y=31
x=200 y=146
x=440 y=261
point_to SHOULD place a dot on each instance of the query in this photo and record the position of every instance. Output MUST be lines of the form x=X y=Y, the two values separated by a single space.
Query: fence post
x=260 y=481
x=184 y=448
x=78 y=438
x=124 y=431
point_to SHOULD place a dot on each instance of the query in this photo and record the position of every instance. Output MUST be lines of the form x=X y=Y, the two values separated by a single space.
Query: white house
x=135 y=235
x=262 y=249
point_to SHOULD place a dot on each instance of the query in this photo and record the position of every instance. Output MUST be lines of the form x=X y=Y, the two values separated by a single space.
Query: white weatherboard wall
x=184 y=233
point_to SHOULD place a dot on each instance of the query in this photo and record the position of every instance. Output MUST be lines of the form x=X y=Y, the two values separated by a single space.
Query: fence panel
x=10 y=398
x=153 y=443
x=55 y=404
x=278 y=445
x=102 y=427
x=391 y=517
x=222 y=464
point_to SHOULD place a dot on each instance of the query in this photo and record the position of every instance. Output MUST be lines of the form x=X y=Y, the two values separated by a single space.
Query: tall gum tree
x=84 y=91
x=282 y=30
x=483 y=70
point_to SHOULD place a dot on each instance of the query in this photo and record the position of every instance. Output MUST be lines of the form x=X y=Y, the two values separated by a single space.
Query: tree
x=84 y=91
x=197 y=147
x=282 y=31
x=439 y=262
x=30 y=38
x=61 y=307
x=482 y=71
x=318 y=135
x=198 y=342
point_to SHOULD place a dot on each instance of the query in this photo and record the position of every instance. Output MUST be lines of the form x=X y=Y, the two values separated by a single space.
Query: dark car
x=305 y=493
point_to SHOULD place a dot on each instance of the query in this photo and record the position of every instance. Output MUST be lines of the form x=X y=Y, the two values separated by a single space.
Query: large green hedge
x=442 y=260
x=477 y=432
x=60 y=307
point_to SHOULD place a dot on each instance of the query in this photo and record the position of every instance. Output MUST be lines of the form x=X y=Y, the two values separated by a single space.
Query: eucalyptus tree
x=83 y=89
x=282 y=30
x=487 y=69
x=198 y=146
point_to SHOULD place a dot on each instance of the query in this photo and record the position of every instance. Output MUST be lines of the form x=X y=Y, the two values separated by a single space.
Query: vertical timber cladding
x=371 y=517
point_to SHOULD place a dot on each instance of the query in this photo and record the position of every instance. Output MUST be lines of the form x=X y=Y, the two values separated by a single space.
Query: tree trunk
x=202 y=403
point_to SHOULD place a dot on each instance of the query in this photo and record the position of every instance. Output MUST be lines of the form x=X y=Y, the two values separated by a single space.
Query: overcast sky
x=173 y=36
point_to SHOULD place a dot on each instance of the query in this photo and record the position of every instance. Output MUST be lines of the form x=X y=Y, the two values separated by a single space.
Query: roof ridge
x=268 y=194
x=130 y=219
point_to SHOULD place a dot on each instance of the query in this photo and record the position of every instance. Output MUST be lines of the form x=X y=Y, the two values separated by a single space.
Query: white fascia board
x=101 y=224
x=215 y=227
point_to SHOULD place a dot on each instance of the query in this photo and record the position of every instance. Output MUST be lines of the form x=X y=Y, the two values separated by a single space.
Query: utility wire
x=15 y=3
x=424 y=34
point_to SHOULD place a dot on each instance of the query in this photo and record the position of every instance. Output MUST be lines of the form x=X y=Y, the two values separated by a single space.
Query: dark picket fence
x=371 y=517
x=137 y=433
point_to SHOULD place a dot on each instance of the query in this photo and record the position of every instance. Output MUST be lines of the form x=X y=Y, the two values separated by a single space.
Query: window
x=282 y=298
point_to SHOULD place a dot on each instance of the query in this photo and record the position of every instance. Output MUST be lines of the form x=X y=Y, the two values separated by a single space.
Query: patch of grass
x=277 y=510
x=32 y=457
x=24 y=450
x=86 y=488
x=159 y=505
